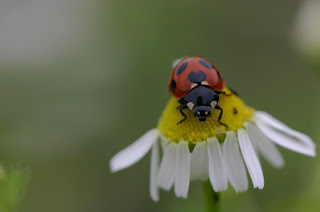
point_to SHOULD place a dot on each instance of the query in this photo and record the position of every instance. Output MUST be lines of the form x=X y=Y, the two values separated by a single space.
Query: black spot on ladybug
x=173 y=85
x=197 y=77
x=219 y=75
x=181 y=68
x=235 y=111
x=206 y=64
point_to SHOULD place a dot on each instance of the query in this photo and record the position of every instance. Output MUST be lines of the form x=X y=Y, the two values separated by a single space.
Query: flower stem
x=212 y=197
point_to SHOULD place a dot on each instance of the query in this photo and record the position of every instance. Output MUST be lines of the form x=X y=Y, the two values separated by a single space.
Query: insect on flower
x=206 y=131
x=197 y=83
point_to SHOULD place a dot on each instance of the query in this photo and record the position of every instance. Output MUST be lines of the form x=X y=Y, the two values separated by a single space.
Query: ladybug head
x=202 y=112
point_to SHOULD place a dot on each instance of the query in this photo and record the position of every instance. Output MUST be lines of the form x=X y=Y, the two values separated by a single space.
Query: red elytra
x=191 y=72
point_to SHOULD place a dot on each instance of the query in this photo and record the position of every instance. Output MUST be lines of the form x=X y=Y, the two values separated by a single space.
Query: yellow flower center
x=235 y=113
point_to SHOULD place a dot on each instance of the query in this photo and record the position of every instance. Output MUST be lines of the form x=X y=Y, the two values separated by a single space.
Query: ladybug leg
x=230 y=94
x=223 y=92
x=183 y=114
x=233 y=91
x=220 y=116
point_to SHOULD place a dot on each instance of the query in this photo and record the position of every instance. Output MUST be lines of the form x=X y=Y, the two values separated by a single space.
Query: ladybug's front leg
x=184 y=106
x=220 y=116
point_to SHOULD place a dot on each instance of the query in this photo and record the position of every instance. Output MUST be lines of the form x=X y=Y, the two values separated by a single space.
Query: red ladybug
x=197 y=83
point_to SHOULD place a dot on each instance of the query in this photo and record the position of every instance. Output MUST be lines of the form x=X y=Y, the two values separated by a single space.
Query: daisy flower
x=200 y=147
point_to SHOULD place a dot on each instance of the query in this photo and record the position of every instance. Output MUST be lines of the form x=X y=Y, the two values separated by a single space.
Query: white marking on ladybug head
x=198 y=112
x=194 y=85
x=190 y=105
x=204 y=83
x=213 y=104
x=206 y=113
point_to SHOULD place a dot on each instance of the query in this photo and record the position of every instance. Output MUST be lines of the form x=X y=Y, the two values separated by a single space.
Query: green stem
x=212 y=197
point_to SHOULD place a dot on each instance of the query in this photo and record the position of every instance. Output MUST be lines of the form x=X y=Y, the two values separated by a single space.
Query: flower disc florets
x=235 y=114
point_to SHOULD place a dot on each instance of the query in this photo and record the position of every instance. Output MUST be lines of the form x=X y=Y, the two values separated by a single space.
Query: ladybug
x=197 y=84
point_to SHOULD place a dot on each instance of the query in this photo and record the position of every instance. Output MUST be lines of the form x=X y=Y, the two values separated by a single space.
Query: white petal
x=283 y=135
x=166 y=172
x=182 y=171
x=217 y=172
x=164 y=143
x=251 y=159
x=199 y=162
x=134 y=152
x=265 y=147
x=236 y=170
x=155 y=155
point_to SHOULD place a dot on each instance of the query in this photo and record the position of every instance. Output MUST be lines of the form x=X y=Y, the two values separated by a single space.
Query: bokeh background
x=80 y=80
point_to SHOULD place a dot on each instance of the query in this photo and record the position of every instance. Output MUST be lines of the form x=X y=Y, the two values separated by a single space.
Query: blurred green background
x=80 y=80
